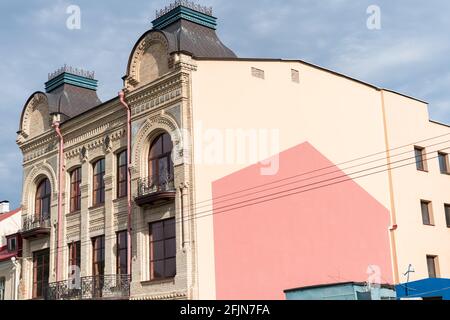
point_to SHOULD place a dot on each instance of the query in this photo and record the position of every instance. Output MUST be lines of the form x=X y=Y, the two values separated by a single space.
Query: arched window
x=99 y=183
x=75 y=190
x=160 y=165
x=42 y=201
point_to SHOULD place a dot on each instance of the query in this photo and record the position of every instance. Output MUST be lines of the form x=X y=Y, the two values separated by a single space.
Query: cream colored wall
x=338 y=116
x=407 y=121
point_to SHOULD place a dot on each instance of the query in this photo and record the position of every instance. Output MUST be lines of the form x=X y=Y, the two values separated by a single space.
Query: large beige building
x=196 y=113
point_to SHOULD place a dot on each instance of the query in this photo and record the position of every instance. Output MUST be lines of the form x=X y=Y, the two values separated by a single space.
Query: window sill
x=74 y=213
x=422 y=170
x=97 y=206
x=429 y=225
x=158 y=281
x=118 y=199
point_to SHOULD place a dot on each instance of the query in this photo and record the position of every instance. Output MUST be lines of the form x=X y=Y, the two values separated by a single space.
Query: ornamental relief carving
x=149 y=61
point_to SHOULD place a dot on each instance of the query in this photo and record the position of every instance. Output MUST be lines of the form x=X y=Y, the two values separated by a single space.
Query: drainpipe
x=127 y=107
x=60 y=176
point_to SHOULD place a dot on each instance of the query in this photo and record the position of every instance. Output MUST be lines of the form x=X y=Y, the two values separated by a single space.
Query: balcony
x=36 y=227
x=105 y=287
x=155 y=189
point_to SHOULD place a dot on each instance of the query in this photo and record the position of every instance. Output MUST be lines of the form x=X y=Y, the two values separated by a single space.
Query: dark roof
x=198 y=40
x=71 y=100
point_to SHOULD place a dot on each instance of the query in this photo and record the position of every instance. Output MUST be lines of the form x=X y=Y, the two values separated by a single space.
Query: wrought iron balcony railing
x=33 y=222
x=156 y=183
x=90 y=288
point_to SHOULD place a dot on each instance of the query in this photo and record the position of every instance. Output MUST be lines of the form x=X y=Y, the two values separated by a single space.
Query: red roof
x=6 y=215
x=5 y=255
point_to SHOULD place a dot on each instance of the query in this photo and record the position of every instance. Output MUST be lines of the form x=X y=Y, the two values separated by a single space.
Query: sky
x=409 y=53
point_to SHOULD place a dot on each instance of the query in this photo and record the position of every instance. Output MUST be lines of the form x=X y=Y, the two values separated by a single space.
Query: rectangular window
x=162 y=249
x=258 y=73
x=98 y=256
x=2 y=288
x=121 y=254
x=295 y=76
x=427 y=217
x=74 y=256
x=432 y=264
x=443 y=162
x=75 y=190
x=12 y=244
x=447 y=214
x=99 y=183
x=122 y=174
x=420 y=158
x=40 y=272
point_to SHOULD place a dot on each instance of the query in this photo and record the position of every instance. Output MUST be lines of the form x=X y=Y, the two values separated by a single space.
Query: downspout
x=127 y=107
x=60 y=176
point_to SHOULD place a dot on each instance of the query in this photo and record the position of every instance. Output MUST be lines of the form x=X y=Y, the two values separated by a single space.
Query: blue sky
x=409 y=54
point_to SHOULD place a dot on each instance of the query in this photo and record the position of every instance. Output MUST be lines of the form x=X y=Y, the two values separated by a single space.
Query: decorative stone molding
x=152 y=38
x=42 y=169
x=37 y=99
x=168 y=296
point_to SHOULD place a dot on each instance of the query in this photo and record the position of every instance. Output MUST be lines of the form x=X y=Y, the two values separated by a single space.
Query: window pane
x=158 y=250
x=156 y=148
x=169 y=248
x=167 y=143
x=443 y=163
x=425 y=213
x=157 y=231
x=169 y=228
x=447 y=214
x=158 y=269
x=170 y=268
x=419 y=158
x=431 y=262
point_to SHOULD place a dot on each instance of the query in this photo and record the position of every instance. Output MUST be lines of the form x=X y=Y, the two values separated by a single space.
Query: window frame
x=98 y=264
x=165 y=258
x=154 y=161
x=75 y=199
x=8 y=244
x=98 y=186
x=2 y=288
x=120 y=248
x=122 y=184
x=435 y=260
x=39 y=200
x=430 y=212
x=447 y=214
x=421 y=165
x=446 y=163
x=74 y=254
x=45 y=274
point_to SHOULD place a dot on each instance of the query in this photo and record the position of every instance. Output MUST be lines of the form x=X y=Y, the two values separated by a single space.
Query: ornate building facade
x=139 y=197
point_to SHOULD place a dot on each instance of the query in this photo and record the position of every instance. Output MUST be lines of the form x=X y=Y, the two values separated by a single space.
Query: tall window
x=160 y=165
x=12 y=244
x=75 y=254
x=2 y=288
x=121 y=254
x=432 y=264
x=443 y=162
x=122 y=174
x=162 y=250
x=98 y=258
x=420 y=158
x=427 y=217
x=40 y=272
x=99 y=183
x=75 y=190
x=42 y=201
x=447 y=214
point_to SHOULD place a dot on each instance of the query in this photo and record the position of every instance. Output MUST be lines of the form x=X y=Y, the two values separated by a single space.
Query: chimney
x=4 y=206
x=73 y=76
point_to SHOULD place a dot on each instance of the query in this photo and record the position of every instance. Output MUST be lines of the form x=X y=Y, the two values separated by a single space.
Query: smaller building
x=426 y=289
x=342 y=291
x=10 y=251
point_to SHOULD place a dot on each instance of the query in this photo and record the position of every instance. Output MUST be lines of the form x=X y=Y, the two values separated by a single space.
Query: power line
x=213 y=211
